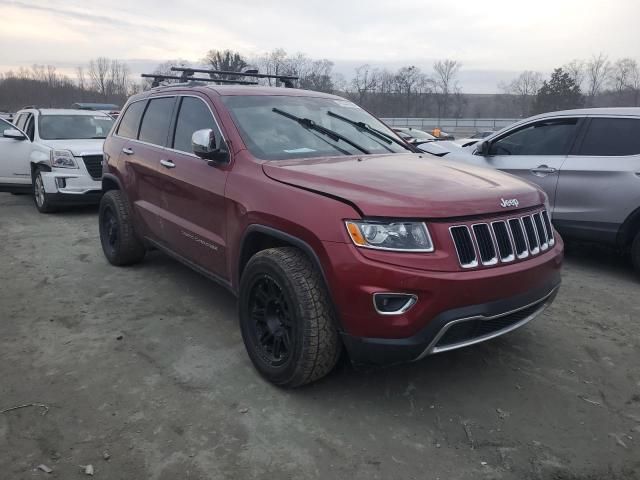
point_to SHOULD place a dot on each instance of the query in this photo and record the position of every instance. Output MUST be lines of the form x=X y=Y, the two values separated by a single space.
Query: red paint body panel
x=194 y=207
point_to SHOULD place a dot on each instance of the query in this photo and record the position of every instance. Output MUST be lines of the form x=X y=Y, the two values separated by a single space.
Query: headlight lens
x=398 y=235
x=63 y=159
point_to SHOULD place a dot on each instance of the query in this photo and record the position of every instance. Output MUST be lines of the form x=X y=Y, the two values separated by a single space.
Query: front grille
x=94 y=165
x=470 y=330
x=502 y=241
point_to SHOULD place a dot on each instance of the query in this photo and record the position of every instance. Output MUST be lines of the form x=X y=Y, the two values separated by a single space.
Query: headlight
x=63 y=159
x=398 y=236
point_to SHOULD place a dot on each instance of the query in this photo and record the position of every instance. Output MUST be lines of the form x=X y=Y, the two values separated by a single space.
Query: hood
x=78 y=147
x=407 y=185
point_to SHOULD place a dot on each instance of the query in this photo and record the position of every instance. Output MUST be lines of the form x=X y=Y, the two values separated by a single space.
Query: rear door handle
x=543 y=171
x=167 y=164
x=127 y=151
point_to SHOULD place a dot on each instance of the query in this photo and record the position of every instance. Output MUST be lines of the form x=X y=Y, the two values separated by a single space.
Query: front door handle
x=127 y=151
x=167 y=164
x=543 y=171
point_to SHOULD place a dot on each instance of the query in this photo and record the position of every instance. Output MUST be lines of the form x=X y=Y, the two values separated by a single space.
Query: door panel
x=196 y=193
x=599 y=186
x=536 y=152
x=14 y=159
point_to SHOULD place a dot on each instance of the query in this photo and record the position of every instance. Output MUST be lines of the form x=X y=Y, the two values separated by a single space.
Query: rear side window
x=156 y=120
x=131 y=120
x=194 y=115
x=553 y=137
x=607 y=137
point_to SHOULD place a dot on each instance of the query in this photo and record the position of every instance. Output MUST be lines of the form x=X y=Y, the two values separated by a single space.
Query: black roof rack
x=157 y=78
x=187 y=72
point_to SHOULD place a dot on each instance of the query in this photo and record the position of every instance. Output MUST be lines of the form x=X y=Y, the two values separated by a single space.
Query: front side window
x=20 y=120
x=156 y=120
x=193 y=115
x=608 y=137
x=130 y=122
x=552 y=137
x=270 y=131
x=72 y=127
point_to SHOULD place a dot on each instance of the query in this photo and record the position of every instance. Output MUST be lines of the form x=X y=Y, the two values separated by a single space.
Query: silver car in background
x=587 y=161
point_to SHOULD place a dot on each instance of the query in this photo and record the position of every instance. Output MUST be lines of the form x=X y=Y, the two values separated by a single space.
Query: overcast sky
x=494 y=39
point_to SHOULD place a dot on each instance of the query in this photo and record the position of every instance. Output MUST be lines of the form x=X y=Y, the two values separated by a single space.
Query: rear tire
x=286 y=318
x=119 y=242
x=635 y=253
x=40 y=196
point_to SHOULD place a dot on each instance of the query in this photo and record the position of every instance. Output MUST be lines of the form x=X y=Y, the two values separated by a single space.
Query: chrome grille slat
x=502 y=241
x=531 y=235
x=485 y=243
x=540 y=230
x=464 y=246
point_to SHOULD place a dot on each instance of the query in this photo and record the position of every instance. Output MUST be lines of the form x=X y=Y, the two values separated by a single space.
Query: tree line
x=594 y=82
x=405 y=92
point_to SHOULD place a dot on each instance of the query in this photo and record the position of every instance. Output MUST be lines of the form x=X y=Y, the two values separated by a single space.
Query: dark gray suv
x=588 y=163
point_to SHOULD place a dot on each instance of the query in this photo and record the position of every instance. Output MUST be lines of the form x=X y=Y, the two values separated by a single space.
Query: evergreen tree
x=559 y=93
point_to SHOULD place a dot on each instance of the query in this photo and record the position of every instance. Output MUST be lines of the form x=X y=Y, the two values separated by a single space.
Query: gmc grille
x=94 y=165
x=502 y=241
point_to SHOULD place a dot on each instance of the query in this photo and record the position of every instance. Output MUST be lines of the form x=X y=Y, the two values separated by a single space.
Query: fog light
x=393 y=303
x=61 y=182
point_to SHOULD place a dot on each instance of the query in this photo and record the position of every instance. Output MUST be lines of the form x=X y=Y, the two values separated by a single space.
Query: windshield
x=270 y=135
x=74 y=127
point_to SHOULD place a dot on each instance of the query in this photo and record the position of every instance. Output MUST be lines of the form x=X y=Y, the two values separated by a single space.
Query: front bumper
x=70 y=182
x=453 y=308
x=453 y=329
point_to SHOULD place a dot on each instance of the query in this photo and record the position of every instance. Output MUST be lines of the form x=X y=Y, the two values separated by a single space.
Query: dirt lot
x=146 y=365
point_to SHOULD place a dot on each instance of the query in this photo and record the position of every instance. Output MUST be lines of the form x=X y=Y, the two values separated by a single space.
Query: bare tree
x=81 y=79
x=597 y=72
x=576 y=70
x=225 y=60
x=364 y=81
x=523 y=89
x=445 y=73
x=99 y=74
x=621 y=74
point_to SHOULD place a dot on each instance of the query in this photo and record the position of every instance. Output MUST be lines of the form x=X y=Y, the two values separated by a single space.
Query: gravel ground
x=145 y=377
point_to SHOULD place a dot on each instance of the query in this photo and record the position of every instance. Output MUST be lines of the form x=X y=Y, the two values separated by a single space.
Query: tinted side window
x=156 y=120
x=19 y=121
x=612 y=137
x=542 y=138
x=131 y=120
x=193 y=115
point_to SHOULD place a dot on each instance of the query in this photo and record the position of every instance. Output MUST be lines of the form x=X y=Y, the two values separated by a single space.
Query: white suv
x=54 y=153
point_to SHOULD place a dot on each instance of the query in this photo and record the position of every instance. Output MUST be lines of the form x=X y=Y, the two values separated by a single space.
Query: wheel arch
x=629 y=229
x=261 y=237
x=111 y=182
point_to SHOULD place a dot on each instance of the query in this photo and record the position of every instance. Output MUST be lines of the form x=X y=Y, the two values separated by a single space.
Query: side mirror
x=13 y=133
x=204 y=146
x=483 y=149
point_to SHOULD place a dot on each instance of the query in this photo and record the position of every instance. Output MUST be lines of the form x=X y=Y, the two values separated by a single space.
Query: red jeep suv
x=332 y=232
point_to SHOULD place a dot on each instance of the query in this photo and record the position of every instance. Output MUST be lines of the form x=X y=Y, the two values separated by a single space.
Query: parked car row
x=334 y=232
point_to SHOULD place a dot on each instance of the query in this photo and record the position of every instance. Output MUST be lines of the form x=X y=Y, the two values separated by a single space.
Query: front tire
x=40 y=196
x=286 y=318
x=119 y=242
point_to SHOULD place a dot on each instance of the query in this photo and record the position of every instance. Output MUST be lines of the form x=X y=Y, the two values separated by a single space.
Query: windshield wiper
x=311 y=125
x=367 y=128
